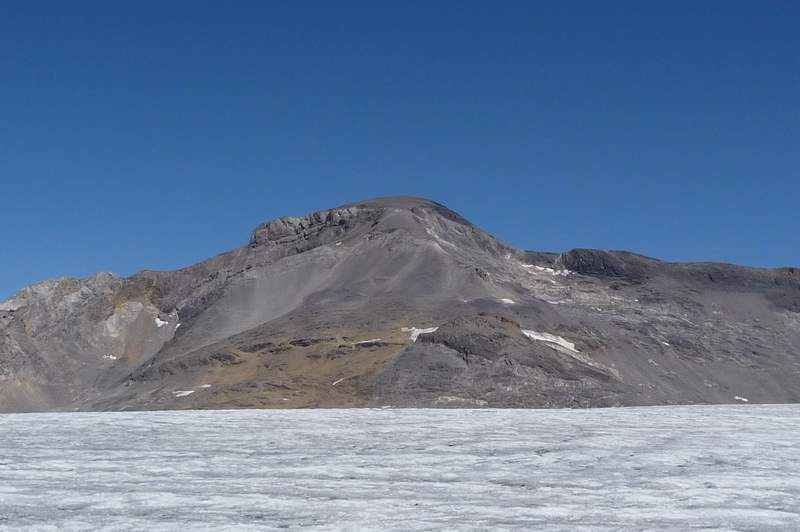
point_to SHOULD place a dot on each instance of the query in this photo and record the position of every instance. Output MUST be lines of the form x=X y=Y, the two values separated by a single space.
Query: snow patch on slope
x=415 y=332
x=563 y=345
x=550 y=271
x=550 y=339
x=370 y=341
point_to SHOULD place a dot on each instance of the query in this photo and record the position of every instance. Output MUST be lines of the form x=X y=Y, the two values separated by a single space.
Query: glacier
x=733 y=467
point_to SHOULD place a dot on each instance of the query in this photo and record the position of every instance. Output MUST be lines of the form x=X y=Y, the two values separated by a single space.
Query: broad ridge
x=401 y=301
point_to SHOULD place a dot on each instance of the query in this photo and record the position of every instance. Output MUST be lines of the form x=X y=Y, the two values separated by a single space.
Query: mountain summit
x=400 y=301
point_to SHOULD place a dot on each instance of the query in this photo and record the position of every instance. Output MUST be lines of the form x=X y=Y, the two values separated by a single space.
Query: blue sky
x=155 y=134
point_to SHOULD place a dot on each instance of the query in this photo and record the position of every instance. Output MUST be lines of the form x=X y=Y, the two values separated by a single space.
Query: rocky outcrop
x=315 y=229
x=619 y=264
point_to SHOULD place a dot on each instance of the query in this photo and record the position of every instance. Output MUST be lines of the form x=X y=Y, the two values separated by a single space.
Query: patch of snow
x=369 y=341
x=176 y=327
x=665 y=343
x=338 y=243
x=109 y=357
x=550 y=339
x=334 y=383
x=568 y=348
x=550 y=271
x=160 y=323
x=182 y=393
x=415 y=332
x=742 y=399
x=204 y=386
x=507 y=301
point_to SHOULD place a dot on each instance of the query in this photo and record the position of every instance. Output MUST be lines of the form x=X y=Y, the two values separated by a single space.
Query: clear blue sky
x=153 y=134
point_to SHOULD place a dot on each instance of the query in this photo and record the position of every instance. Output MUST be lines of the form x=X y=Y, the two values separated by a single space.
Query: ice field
x=718 y=467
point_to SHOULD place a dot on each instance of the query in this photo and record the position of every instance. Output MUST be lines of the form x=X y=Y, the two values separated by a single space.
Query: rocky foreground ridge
x=401 y=302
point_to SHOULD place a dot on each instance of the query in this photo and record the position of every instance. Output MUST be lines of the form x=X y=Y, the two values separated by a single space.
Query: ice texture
x=677 y=468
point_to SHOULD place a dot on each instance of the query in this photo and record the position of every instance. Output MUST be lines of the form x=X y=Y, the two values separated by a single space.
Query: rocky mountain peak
x=401 y=301
x=323 y=227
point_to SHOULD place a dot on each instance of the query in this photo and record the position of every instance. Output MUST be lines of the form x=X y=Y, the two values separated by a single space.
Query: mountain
x=400 y=301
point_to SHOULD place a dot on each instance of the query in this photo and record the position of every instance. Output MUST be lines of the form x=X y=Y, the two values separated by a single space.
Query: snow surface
x=550 y=339
x=415 y=332
x=160 y=323
x=507 y=301
x=182 y=393
x=734 y=467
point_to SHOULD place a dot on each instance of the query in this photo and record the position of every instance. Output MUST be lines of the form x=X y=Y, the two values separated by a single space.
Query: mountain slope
x=400 y=301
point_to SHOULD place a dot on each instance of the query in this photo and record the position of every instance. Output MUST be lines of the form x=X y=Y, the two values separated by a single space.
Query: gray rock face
x=401 y=301
x=315 y=229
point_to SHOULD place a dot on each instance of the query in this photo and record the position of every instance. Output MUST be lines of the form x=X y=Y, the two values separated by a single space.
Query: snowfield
x=720 y=467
